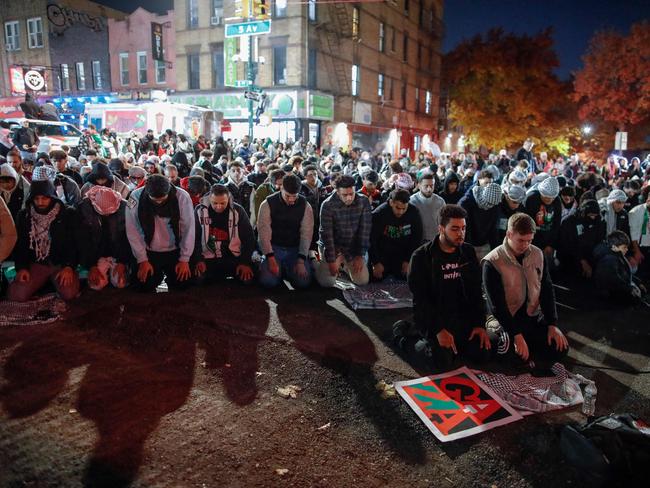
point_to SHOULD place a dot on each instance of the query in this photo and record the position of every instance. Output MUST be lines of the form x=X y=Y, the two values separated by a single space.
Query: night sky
x=573 y=21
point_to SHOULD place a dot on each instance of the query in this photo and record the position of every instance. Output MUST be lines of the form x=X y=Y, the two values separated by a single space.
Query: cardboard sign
x=456 y=404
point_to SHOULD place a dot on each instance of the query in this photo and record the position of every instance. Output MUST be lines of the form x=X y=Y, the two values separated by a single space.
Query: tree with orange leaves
x=502 y=90
x=614 y=84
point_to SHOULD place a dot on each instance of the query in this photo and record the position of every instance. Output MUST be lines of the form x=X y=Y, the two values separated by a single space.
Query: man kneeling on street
x=520 y=297
x=224 y=238
x=445 y=279
x=46 y=247
x=160 y=228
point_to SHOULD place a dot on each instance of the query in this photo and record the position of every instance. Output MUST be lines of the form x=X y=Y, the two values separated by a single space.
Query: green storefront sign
x=280 y=105
x=321 y=107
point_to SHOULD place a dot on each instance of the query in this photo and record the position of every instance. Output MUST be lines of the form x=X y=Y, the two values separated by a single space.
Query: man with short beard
x=445 y=279
x=160 y=228
x=46 y=247
x=429 y=205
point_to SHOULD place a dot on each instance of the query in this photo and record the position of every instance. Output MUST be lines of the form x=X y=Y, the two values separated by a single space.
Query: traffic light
x=241 y=9
x=260 y=9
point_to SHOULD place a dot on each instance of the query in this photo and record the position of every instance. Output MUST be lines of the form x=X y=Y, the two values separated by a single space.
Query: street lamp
x=586 y=129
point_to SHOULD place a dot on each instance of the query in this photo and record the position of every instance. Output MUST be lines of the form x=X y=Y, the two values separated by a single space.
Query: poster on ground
x=456 y=404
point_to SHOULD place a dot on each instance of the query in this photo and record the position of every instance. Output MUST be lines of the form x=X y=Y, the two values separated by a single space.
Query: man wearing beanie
x=46 y=246
x=160 y=228
x=105 y=252
x=614 y=213
x=512 y=203
x=568 y=200
x=482 y=206
x=544 y=206
x=520 y=296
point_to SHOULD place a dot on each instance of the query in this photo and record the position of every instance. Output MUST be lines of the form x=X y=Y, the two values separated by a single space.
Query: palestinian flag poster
x=456 y=404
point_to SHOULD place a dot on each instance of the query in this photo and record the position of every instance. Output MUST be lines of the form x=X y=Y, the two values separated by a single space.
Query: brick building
x=351 y=74
x=133 y=70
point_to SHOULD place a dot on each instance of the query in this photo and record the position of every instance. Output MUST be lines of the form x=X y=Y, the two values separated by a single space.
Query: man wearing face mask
x=160 y=226
x=242 y=190
x=579 y=235
x=224 y=241
x=46 y=248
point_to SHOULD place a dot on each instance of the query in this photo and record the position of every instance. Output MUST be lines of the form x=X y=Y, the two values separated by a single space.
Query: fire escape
x=332 y=33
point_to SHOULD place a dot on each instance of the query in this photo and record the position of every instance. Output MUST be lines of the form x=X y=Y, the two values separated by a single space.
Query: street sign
x=620 y=143
x=242 y=83
x=35 y=79
x=254 y=28
x=230 y=66
x=251 y=95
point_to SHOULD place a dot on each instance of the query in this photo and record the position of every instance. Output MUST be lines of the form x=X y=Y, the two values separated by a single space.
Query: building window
x=311 y=10
x=12 y=36
x=97 y=75
x=192 y=14
x=280 y=65
x=193 y=73
x=356 y=80
x=355 y=23
x=217 y=66
x=404 y=95
x=390 y=90
x=419 y=59
x=380 y=85
x=405 y=52
x=124 y=69
x=312 y=80
x=35 y=32
x=427 y=102
x=65 y=78
x=142 y=67
x=81 y=76
x=417 y=99
x=161 y=71
x=280 y=8
x=406 y=7
x=421 y=14
x=393 y=41
x=382 y=36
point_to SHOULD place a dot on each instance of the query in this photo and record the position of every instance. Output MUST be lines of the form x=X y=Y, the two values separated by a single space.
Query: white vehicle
x=52 y=134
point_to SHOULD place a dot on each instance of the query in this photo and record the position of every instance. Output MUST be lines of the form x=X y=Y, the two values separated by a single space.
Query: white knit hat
x=549 y=188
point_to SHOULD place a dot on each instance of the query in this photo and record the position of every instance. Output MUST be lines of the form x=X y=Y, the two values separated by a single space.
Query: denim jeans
x=286 y=258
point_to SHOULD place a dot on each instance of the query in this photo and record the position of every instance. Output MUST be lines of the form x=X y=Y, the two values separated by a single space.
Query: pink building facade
x=133 y=69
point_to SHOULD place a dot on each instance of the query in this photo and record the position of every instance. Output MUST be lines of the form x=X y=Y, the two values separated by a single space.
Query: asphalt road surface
x=180 y=389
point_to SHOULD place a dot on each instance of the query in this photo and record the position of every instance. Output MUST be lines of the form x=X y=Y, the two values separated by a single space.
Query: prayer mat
x=383 y=295
x=41 y=310
x=456 y=404
x=532 y=394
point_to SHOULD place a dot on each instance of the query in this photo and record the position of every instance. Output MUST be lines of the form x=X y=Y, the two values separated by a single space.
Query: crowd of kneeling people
x=471 y=242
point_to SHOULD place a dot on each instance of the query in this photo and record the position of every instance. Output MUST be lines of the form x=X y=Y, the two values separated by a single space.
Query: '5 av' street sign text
x=253 y=28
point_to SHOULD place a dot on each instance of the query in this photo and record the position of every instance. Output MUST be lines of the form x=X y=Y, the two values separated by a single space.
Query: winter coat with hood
x=451 y=198
x=63 y=235
x=481 y=224
x=7 y=232
x=612 y=273
x=99 y=233
x=241 y=239
x=15 y=198
x=102 y=171
x=579 y=235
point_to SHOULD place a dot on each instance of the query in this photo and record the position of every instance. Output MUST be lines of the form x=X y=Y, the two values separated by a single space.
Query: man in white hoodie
x=429 y=205
x=14 y=189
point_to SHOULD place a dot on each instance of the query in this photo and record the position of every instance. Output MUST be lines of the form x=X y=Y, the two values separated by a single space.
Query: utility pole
x=252 y=68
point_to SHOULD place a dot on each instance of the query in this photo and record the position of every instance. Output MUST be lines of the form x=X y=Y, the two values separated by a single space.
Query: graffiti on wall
x=63 y=17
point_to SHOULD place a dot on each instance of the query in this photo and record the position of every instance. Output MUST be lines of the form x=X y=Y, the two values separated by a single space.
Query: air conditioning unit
x=216 y=20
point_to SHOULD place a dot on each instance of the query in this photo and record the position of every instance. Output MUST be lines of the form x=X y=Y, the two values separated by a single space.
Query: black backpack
x=609 y=450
